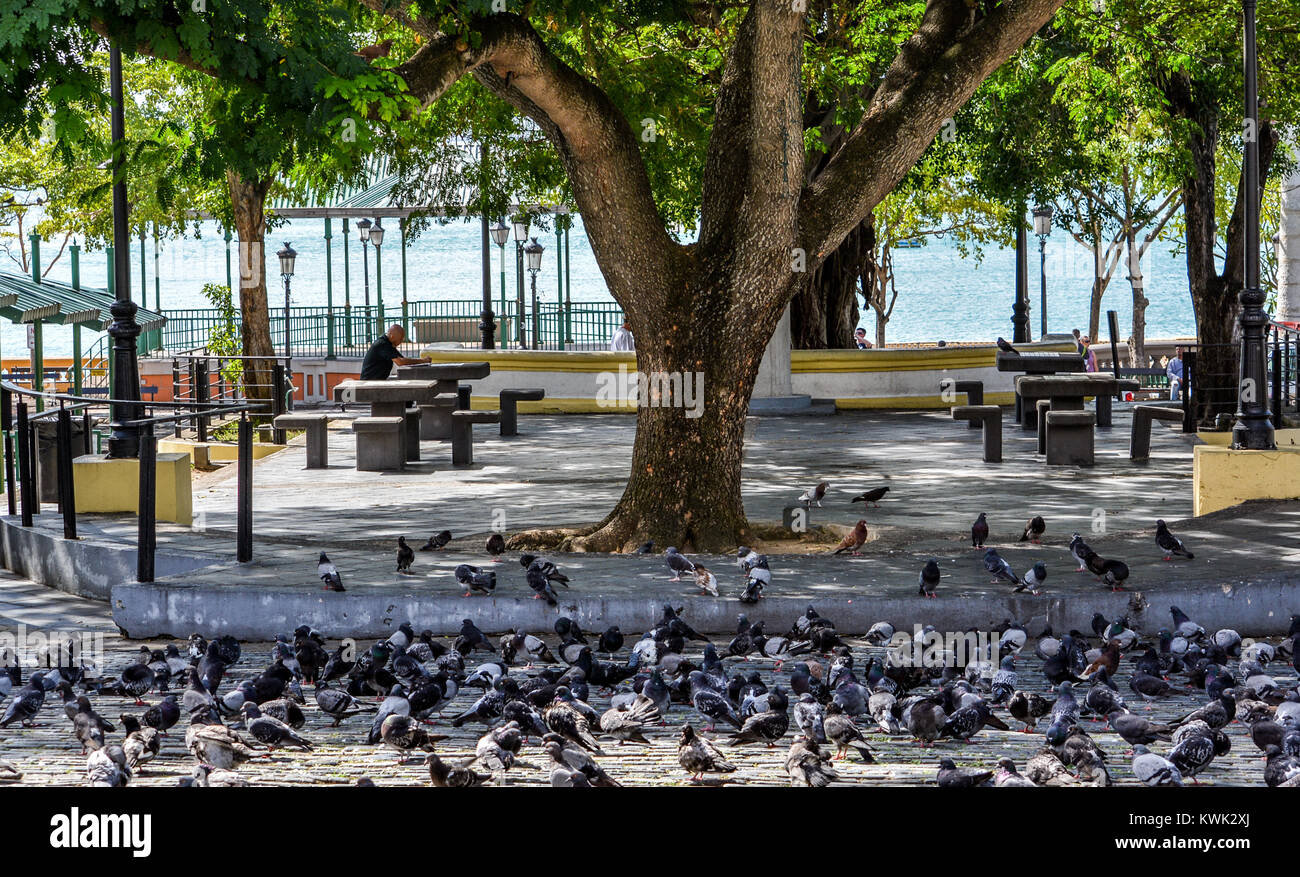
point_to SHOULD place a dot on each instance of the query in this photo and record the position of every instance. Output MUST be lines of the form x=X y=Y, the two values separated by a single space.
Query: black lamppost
x=377 y=238
x=1042 y=228
x=124 y=441
x=500 y=234
x=287 y=256
x=519 y=226
x=1253 y=429
x=363 y=235
x=533 y=250
x=1020 y=310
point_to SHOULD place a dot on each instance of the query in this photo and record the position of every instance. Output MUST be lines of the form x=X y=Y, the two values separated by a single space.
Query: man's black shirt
x=378 y=364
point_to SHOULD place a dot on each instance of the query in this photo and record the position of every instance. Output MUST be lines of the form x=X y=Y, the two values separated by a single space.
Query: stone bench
x=974 y=391
x=462 y=433
x=381 y=443
x=316 y=426
x=509 y=407
x=1139 y=443
x=989 y=417
x=435 y=416
x=1070 y=438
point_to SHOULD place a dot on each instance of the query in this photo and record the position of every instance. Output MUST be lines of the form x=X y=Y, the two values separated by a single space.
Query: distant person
x=1176 y=370
x=860 y=338
x=1089 y=358
x=1078 y=342
x=383 y=355
x=942 y=343
x=623 y=339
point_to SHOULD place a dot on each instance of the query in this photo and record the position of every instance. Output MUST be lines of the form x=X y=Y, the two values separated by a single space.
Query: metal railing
x=348 y=331
x=1213 y=389
x=18 y=426
x=206 y=378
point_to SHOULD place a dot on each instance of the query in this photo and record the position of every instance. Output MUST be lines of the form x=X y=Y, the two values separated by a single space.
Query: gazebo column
x=329 y=293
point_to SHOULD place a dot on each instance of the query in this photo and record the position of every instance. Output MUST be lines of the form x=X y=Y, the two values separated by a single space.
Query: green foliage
x=224 y=339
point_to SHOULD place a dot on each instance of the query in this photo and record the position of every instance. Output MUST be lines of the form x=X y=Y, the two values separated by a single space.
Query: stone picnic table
x=1065 y=429
x=390 y=399
x=1045 y=363
x=435 y=417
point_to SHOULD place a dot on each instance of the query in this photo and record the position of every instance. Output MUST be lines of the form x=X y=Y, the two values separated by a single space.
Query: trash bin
x=47 y=453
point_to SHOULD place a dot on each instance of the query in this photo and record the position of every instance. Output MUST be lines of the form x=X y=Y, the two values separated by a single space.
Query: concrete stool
x=411 y=434
x=317 y=428
x=990 y=418
x=1104 y=403
x=381 y=443
x=462 y=433
x=974 y=391
x=509 y=407
x=1139 y=442
x=1070 y=438
x=435 y=417
x=1041 y=407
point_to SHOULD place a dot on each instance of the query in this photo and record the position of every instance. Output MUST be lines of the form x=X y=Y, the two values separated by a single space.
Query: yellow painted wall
x=1222 y=477
x=217 y=451
x=104 y=485
x=1285 y=438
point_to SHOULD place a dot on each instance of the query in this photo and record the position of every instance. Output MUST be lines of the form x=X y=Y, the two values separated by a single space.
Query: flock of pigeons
x=825 y=699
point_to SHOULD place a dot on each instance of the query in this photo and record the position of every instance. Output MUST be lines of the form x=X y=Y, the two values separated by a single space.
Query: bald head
x=396 y=333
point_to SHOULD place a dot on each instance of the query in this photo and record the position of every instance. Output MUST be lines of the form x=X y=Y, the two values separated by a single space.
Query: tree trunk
x=248 y=202
x=684 y=486
x=1137 y=347
x=1288 y=250
x=825 y=313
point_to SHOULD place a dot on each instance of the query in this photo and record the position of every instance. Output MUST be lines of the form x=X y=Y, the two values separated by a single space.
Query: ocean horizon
x=941 y=294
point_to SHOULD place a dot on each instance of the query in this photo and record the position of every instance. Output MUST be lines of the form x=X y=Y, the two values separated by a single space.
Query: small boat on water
x=909 y=244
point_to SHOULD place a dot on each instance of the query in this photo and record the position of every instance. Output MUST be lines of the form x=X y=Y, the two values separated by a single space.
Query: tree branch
x=937 y=70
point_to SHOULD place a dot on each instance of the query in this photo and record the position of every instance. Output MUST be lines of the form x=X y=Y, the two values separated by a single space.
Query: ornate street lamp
x=500 y=233
x=533 y=250
x=1253 y=429
x=287 y=257
x=363 y=235
x=1042 y=228
x=519 y=228
x=377 y=238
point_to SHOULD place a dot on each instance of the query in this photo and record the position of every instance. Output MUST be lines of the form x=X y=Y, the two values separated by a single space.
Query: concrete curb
x=87 y=567
x=1261 y=607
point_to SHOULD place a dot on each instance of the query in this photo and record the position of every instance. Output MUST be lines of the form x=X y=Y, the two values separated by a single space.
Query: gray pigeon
x=999 y=568
x=329 y=574
x=677 y=563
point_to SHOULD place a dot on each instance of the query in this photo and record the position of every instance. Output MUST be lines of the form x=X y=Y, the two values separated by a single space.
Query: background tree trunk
x=824 y=313
x=248 y=202
x=1137 y=347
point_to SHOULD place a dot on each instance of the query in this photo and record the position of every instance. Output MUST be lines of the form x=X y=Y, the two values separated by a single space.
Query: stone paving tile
x=49 y=755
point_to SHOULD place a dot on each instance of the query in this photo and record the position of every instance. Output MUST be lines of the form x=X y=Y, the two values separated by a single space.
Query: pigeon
x=929 y=578
x=677 y=563
x=1281 y=769
x=999 y=568
x=1111 y=572
x=89 y=726
x=1080 y=551
x=1135 y=729
x=107 y=767
x=1033 y=579
x=329 y=574
x=979 y=531
x=205 y=777
x=541 y=585
x=627 y=726
x=471 y=636
x=1044 y=768
x=814 y=494
x=855 y=539
x=873 y=496
x=646 y=547
x=952 y=777
x=1005 y=346
x=26 y=703
x=496 y=546
x=547 y=568
x=1149 y=687
x=1184 y=626
x=1154 y=770
x=338 y=704
x=698 y=756
x=807 y=765
x=564 y=754
x=271 y=731
x=610 y=641
x=1193 y=753
x=475 y=579
x=437 y=541
x=445 y=776
x=141 y=744
x=1034 y=530
x=1007 y=777
x=706 y=581
x=765 y=727
x=563 y=718
x=531 y=647
x=840 y=729
x=709 y=703
x=1169 y=543
x=405 y=555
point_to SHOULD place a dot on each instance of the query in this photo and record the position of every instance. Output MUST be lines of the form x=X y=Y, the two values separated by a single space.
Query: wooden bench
x=510 y=400
x=974 y=391
x=989 y=417
x=462 y=433
x=381 y=443
x=1139 y=442
x=316 y=426
x=1070 y=438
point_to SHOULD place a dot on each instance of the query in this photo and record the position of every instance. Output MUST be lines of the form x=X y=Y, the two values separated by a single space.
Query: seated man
x=381 y=356
x=1176 y=375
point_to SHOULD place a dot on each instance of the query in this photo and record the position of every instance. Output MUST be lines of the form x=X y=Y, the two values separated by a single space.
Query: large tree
x=705 y=308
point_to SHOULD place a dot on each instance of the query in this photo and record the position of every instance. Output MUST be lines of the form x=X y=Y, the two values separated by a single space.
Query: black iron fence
x=1213 y=379
x=205 y=378
x=20 y=426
